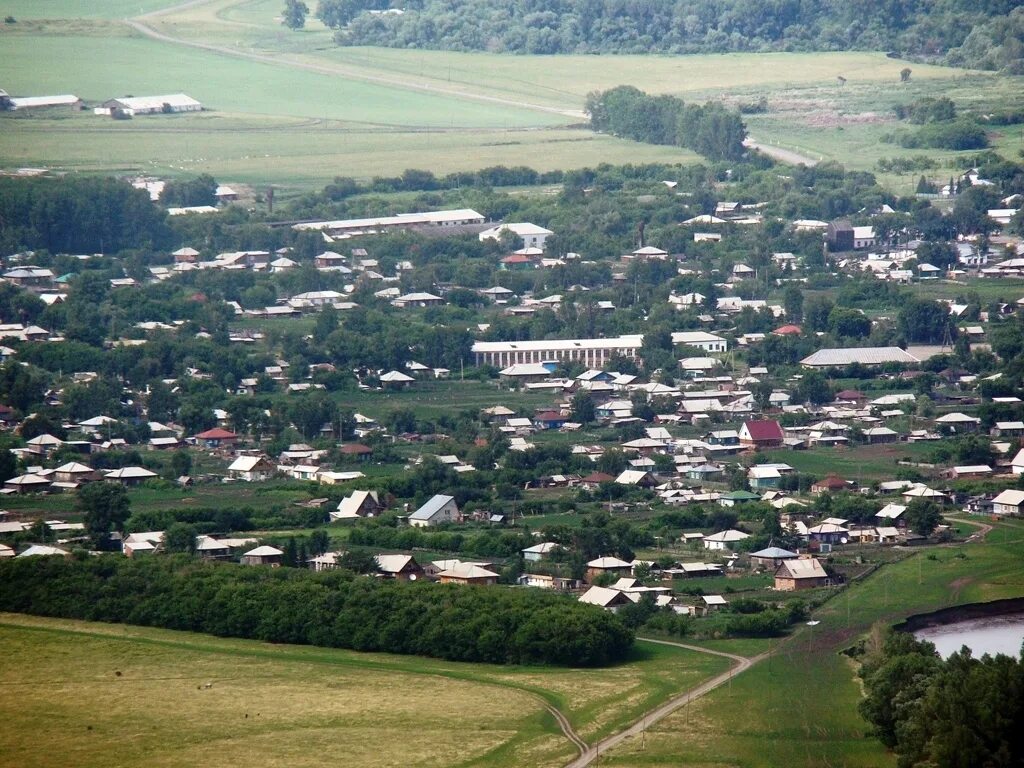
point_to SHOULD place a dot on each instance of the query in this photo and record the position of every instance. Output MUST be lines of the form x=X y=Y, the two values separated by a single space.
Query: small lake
x=991 y=635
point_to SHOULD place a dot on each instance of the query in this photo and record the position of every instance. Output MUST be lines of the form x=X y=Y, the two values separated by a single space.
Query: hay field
x=112 y=695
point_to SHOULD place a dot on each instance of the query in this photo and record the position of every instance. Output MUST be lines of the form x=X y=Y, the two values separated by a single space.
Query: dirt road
x=780 y=154
x=743 y=663
x=141 y=24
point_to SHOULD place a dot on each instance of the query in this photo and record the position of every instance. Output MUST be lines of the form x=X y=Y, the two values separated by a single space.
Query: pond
x=991 y=635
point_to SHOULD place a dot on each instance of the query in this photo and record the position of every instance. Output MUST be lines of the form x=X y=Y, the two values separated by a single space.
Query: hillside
x=982 y=34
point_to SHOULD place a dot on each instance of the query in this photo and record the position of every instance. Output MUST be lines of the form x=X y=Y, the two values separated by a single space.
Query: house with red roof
x=788 y=330
x=761 y=434
x=217 y=438
x=356 y=450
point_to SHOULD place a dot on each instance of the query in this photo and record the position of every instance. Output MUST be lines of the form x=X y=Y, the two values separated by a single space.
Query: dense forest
x=335 y=609
x=984 y=34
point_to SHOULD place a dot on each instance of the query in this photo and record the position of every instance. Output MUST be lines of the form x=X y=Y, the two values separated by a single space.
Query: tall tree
x=103 y=506
x=295 y=14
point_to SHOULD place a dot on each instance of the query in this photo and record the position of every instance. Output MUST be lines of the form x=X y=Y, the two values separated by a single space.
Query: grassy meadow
x=799 y=707
x=112 y=695
x=294 y=109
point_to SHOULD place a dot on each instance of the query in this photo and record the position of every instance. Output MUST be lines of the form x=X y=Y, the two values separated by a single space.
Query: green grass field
x=799 y=708
x=80 y=688
x=310 y=110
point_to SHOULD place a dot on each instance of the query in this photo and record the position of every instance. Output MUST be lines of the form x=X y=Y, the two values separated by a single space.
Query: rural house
x=803 y=573
x=439 y=509
x=761 y=434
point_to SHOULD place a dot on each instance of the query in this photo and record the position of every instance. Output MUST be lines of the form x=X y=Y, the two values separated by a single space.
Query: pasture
x=82 y=688
x=799 y=707
x=294 y=109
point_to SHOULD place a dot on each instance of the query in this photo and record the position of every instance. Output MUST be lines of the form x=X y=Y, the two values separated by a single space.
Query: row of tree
x=336 y=609
x=710 y=130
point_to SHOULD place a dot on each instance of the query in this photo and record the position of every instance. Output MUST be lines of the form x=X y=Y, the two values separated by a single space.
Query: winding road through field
x=141 y=24
x=743 y=663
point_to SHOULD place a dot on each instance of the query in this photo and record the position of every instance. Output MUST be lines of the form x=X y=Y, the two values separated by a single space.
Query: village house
x=604 y=597
x=1009 y=503
x=723 y=540
x=468 y=574
x=358 y=504
x=399 y=567
x=264 y=555
x=251 y=469
x=439 y=509
x=802 y=573
x=607 y=565
x=761 y=434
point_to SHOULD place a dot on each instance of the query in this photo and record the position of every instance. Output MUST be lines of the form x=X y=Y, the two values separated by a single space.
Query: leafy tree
x=181 y=463
x=103 y=506
x=923 y=516
x=294 y=16
x=200 y=190
x=814 y=388
x=319 y=542
x=583 y=407
x=793 y=303
x=924 y=321
x=180 y=537
x=358 y=562
x=8 y=465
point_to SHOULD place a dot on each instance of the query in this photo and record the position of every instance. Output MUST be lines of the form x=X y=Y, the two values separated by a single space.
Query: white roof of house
x=727 y=536
x=73 y=466
x=245 y=463
x=601 y=596
x=391 y=376
x=545 y=547
x=42 y=549
x=1010 y=496
x=128 y=473
x=468 y=571
x=264 y=551
x=349 y=506
x=863 y=355
x=608 y=562
x=392 y=563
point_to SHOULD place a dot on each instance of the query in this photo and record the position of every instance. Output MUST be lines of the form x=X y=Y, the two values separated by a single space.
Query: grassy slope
x=800 y=709
x=305 y=706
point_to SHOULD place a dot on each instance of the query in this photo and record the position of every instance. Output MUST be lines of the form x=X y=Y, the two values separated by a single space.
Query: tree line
x=984 y=34
x=710 y=130
x=336 y=609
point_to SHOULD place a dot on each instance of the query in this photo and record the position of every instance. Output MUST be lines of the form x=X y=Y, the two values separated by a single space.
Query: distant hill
x=987 y=34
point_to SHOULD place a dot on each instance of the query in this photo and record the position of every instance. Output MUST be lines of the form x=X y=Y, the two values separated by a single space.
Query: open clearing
x=112 y=695
x=294 y=109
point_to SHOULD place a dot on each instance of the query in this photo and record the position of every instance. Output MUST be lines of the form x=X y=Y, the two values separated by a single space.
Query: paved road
x=778 y=153
x=592 y=753
x=141 y=25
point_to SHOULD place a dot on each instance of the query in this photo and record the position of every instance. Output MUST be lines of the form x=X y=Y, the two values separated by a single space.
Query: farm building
x=152 y=105
x=39 y=102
